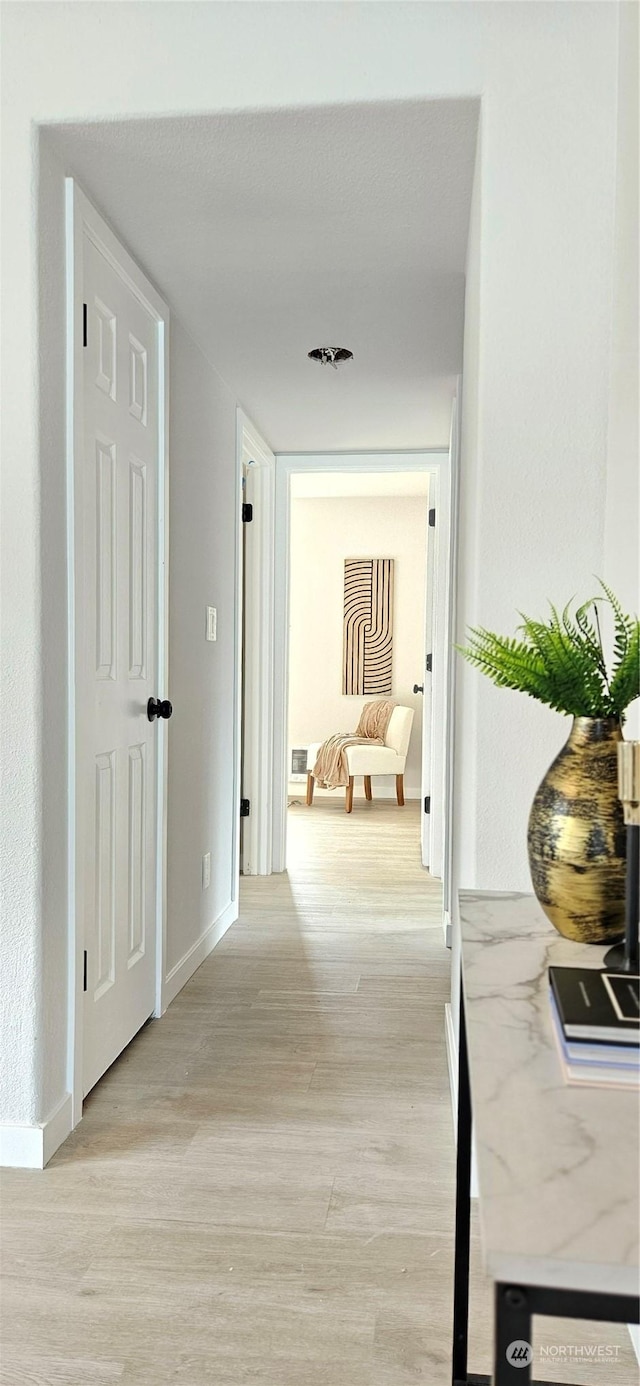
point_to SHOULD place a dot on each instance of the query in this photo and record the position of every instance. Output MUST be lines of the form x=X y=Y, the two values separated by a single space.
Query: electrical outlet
x=206 y=871
x=212 y=623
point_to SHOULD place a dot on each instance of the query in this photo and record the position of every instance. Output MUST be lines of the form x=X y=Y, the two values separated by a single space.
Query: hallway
x=261 y=1190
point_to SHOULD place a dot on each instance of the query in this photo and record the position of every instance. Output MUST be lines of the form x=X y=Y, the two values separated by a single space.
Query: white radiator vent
x=299 y=763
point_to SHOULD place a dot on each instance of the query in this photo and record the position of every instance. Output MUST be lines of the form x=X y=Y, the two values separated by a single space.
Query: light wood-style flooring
x=261 y=1189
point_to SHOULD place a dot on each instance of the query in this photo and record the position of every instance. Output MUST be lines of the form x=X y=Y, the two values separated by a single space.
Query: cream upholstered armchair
x=389 y=759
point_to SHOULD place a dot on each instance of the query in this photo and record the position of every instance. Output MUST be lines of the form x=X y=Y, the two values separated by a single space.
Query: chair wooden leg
x=349 y=796
x=310 y=784
x=400 y=789
x=367 y=787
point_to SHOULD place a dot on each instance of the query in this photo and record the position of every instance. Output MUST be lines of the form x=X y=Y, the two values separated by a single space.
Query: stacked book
x=596 y=1023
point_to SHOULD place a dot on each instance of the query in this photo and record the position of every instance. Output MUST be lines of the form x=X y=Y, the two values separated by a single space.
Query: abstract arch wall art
x=368 y=620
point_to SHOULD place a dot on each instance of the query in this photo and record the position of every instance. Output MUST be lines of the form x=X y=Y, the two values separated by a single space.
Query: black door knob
x=418 y=688
x=157 y=707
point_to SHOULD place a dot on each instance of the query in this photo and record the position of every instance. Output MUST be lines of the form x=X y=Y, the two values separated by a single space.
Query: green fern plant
x=561 y=662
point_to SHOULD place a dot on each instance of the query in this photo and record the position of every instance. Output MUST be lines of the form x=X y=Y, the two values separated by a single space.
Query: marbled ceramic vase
x=576 y=838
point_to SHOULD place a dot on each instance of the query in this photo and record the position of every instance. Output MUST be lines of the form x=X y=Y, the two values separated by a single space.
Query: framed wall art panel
x=368 y=626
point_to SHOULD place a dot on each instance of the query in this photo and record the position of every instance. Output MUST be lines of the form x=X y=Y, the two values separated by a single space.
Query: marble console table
x=558 y=1166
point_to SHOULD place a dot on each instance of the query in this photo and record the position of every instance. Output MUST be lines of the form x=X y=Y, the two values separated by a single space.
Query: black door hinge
x=432 y=519
x=85 y=328
x=427 y=803
x=245 y=808
x=247 y=512
x=84 y=972
x=429 y=664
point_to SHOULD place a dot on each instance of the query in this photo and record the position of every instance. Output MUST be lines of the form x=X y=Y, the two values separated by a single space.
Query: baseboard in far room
x=25 y=1146
x=179 y=975
x=299 y=791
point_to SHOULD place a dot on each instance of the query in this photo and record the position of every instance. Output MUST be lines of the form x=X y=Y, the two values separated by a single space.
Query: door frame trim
x=430 y=748
x=449 y=689
x=81 y=216
x=256 y=466
x=434 y=460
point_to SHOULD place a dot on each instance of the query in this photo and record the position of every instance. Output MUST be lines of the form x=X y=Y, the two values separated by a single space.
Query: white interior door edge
x=117 y=585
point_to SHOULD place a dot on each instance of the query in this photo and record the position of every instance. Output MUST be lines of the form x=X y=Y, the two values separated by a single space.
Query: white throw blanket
x=331 y=769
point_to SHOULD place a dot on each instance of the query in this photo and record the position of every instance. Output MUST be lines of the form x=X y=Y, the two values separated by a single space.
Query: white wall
x=323 y=533
x=533 y=431
x=548 y=79
x=466 y=731
x=621 y=568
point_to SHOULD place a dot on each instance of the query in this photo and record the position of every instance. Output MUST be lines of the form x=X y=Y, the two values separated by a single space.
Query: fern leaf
x=625 y=680
x=574 y=682
x=591 y=634
x=561 y=662
x=623 y=625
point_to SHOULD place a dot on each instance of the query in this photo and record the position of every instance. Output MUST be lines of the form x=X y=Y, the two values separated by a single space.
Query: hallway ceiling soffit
x=271 y=232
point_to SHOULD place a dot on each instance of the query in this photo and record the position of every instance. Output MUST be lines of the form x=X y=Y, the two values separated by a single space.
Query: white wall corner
x=180 y=974
x=25 y=1146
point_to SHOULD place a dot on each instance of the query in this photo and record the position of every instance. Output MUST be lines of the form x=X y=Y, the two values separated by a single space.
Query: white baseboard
x=24 y=1146
x=634 y=1334
x=179 y=975
x=452 y=1062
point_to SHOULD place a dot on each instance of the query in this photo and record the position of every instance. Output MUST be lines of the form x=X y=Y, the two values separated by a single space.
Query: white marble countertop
x=558 y=1166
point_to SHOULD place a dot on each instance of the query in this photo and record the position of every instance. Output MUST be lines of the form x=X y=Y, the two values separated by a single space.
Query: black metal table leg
x=463 y=1212
x=512 y=1342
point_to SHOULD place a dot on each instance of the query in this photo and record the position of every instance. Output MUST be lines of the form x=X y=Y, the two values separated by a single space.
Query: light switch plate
x=212 y=623
x=206 y=870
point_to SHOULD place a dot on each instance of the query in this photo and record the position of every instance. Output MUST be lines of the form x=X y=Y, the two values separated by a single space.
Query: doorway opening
x=430 y=475
x=360 y=620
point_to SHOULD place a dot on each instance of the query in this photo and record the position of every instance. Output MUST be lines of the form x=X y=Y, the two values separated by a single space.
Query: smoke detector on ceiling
x=331 y=356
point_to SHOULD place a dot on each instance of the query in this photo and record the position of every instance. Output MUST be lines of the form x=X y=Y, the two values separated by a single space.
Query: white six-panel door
x=116 y=555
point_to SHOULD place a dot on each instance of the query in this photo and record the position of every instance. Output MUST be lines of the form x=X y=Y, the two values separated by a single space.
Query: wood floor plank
x=261 y=1189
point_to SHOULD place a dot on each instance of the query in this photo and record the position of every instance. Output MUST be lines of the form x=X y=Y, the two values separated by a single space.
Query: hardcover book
x=617 y=1067
x=600 y=1006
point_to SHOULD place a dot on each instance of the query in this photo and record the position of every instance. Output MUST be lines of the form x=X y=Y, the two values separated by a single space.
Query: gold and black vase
x=576 y=838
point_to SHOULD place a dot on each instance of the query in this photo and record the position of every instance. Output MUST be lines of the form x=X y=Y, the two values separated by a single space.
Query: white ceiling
x=270 y=234
x=317 y=485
